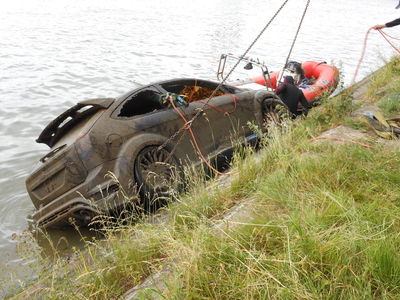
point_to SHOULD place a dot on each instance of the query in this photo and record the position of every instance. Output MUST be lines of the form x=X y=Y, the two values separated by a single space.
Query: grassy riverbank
x=385 y=89
x=325 y=223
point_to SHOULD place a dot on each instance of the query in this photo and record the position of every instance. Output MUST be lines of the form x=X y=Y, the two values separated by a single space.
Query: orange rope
x=212 y=106
x=385 y=36
x=392 y=37
x=340 y=140
x=390 y=43
x=221 y=110
x=362 y=56
x=188 y=125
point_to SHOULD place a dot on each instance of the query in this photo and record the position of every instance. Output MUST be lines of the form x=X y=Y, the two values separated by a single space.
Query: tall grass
x=385 y=83
x=327 y=226
x=390 y=106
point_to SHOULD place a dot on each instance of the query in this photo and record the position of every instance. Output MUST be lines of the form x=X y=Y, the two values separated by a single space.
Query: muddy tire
x=157 y=175
x=274 y=113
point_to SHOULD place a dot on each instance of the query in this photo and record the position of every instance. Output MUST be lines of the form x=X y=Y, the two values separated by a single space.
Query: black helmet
x=289 y=80
x=294 y=67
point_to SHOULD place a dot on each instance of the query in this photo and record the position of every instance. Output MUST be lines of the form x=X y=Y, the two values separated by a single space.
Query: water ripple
x=58 y=52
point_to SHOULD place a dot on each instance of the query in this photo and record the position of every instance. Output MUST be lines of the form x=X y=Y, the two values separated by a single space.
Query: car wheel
x=274 y=112
x=157 y=175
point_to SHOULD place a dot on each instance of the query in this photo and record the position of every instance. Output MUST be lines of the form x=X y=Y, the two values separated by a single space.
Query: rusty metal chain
x=243 y=55
x=185 y=126
x=297 y=33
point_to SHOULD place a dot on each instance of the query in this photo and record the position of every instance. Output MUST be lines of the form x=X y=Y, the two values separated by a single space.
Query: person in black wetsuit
x=389 y=24
x=291 y=95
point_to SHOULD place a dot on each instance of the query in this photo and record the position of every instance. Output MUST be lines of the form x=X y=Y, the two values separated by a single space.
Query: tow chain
x=188 y=124
x=168 y=99
x=183 y=129
x=224 y=80
x=243 y=55
x=297 y=32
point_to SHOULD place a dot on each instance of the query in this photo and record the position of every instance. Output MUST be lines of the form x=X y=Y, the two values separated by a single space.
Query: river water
x=54 y=53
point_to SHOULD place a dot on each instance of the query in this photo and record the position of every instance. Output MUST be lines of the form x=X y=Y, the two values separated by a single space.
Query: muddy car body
x=123 y=136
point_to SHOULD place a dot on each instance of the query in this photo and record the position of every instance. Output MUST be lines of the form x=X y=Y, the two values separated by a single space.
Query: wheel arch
x=124 y=165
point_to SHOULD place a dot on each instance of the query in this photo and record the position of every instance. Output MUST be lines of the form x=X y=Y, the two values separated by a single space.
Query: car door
x=145 y=113
x=222 y=122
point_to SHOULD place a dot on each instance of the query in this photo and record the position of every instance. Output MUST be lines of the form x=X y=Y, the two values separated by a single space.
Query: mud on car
x=130 y=136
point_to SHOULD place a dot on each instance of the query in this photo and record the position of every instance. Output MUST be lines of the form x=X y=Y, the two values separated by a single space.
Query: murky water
x=54 y=53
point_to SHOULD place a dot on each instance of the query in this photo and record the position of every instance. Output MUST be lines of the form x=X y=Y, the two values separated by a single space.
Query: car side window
x=142 y=102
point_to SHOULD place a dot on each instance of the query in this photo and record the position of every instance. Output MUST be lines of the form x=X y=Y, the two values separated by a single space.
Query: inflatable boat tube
x=323 y=78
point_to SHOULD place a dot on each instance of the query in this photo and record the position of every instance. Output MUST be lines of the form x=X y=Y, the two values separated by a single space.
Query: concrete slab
x=365 y=109
x=344 y=132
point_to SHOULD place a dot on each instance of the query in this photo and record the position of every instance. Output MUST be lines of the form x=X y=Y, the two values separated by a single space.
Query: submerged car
x=137 y=137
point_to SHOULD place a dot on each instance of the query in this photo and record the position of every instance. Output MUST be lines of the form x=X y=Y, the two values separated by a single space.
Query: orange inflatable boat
x=313 y=78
